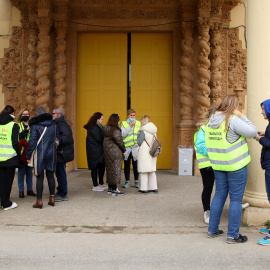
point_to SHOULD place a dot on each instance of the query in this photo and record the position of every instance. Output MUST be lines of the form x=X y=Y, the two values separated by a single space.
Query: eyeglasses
x=54 y=113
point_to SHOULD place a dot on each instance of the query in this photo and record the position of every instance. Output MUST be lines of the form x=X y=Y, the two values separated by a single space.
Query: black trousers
x=51 y=183
x=98 y=171
x=112 y=187
x=6 y=181
x=208 y=179
x=127 y=168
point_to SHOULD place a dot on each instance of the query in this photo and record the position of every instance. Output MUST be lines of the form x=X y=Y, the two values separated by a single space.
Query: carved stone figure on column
x=11 y=70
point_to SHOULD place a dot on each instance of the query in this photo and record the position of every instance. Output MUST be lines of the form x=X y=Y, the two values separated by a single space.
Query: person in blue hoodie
x=264 y=139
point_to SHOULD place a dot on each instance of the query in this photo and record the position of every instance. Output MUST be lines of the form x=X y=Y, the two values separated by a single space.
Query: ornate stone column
x=216 y=61
x=186 y=85
x=43 y=62
x=203 y=69
x=258 y=91
x=60 y=65
x=31 y=60
x=31 y=68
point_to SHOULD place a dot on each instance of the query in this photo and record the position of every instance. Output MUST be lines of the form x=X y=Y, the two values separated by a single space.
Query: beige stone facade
x=39 y=61
x=39 y=67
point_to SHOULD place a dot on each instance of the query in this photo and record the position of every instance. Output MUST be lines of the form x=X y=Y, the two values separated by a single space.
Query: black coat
x=94 y=146
x=46 y=150
x=65 y=149
x=14 y=161
x=265 y=154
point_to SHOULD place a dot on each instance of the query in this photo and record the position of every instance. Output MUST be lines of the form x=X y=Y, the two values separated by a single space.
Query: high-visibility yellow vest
x=203 y=161
x=225 y=156
x=6 y=149
x=27 y=136
x=131 y=138
x=22 y=129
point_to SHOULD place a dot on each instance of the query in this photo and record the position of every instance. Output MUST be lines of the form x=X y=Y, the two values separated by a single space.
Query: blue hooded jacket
x=265 y=141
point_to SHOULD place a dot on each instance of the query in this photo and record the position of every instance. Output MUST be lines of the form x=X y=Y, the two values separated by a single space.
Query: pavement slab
x=93 y=230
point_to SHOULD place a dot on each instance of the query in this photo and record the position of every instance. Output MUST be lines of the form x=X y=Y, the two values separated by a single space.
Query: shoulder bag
x=155 y=148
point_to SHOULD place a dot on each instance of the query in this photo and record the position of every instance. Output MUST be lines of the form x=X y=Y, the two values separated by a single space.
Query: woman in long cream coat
x=147 y=163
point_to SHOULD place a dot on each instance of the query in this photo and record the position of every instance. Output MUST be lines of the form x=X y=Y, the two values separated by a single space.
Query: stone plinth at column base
x=255 y=216
x=196 y=168
x=70 y=166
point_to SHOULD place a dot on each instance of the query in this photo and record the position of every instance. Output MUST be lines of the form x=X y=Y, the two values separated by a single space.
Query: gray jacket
x=237 y=127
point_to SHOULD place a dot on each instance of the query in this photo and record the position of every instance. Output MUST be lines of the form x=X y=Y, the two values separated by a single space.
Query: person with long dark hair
x=94 y=150
x=114 y=148
x=9 y=155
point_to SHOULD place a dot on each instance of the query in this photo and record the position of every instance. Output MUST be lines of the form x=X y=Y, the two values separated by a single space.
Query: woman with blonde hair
x=225 y=139
x=147 y=163
x=24 y=170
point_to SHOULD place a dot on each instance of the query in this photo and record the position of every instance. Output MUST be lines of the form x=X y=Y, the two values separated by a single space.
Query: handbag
x=34 y=154
x=155 y=148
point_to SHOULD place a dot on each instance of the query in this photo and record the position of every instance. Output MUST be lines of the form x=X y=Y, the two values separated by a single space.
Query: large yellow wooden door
x=102 y=81
x=151 y=86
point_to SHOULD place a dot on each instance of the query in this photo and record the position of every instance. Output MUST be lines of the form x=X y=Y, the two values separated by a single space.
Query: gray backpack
x=156 y=147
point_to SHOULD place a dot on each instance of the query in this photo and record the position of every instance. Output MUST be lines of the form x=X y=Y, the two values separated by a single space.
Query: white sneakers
x=245 y=205
x=14 y=205
x=99 y=188
x=206 y=216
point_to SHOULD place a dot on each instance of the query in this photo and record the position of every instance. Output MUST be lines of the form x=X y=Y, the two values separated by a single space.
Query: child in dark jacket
x=264 y=140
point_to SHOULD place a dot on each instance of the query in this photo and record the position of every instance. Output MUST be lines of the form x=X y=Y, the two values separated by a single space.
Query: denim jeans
x=267 y=182
x=22 y=171
x=232 y=183
x=61 y=179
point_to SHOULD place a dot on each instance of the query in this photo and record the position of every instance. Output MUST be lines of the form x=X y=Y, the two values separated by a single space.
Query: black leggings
x=208 y=178
x=51 y=183
x=98 y=171
x=127 y=168
x=112 y=187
